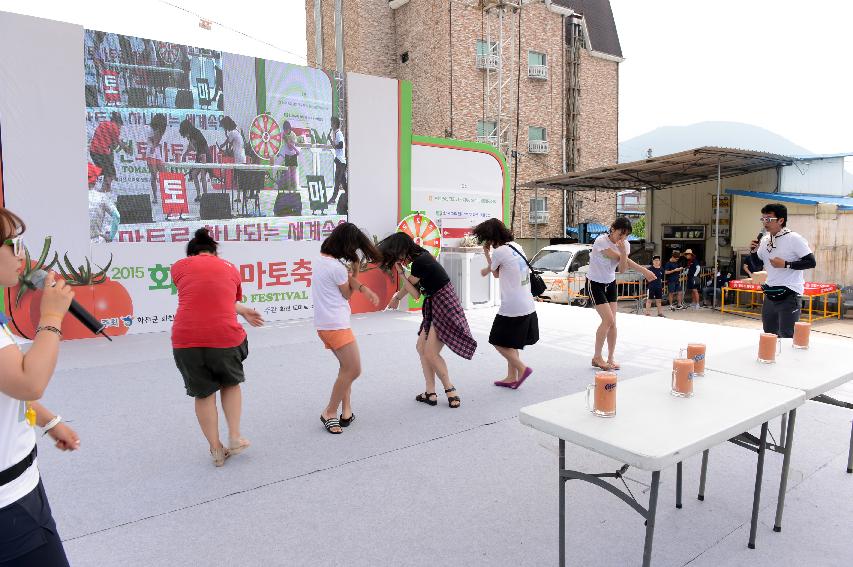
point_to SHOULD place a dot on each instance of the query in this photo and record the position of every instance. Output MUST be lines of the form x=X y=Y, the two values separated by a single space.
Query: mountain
x=671 y=139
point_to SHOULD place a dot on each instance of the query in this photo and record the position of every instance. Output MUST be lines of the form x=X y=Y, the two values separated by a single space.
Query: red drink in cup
x=682 y=377
x=604 y=398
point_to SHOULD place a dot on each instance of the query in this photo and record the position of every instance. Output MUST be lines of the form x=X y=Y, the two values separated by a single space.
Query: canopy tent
x=663 y=172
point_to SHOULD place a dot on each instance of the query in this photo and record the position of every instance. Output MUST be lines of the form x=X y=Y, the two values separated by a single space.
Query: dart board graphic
x=423 y=231
x=265 y=136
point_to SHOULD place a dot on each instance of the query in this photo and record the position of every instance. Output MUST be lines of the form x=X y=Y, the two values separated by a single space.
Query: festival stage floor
x=408 y=484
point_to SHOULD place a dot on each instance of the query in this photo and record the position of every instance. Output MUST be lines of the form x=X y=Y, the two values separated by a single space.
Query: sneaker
x=680 y=307
x=672 y=307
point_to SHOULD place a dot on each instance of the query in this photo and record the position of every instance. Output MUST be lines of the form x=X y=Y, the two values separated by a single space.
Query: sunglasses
x=17 y=244
x=768 y=219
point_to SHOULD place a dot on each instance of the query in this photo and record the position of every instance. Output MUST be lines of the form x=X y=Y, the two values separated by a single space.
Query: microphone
x=85 y=318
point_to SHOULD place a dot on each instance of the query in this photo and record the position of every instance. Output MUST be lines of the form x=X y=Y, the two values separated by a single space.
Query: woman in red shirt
x=208 y=343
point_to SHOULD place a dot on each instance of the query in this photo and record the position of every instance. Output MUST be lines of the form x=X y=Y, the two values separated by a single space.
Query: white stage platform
x=408 y=484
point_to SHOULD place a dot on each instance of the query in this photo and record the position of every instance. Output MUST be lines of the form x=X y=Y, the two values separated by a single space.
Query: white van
x=564 y=268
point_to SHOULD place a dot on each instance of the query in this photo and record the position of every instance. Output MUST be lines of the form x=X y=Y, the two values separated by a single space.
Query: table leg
x=650 y=519
x=561 y=462
x=850 y=454
x=678 y=485
x=783 y=432
x=703 y=475
x=786 y=463
x=759 y=473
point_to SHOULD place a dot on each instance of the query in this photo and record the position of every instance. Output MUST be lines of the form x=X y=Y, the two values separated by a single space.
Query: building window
x=537 y=143
x=487 y=54
x=539 y=210
x=487 y=132
x=537 y=66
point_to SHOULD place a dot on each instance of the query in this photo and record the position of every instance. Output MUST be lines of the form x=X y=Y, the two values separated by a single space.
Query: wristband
x=51 y=424
x=50 y=328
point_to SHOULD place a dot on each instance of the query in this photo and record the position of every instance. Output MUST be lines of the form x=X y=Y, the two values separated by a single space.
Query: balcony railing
x=538 y=217
x=487 y=61
x=537 y=71
x=537 y=146
x=493 y=140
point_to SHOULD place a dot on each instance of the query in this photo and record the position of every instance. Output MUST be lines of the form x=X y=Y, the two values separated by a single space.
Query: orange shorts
x=336 y=339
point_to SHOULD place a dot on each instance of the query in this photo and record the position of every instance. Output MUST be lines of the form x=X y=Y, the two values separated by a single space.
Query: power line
x=244 y=34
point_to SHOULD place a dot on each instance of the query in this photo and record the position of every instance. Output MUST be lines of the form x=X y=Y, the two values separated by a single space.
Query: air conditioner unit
x=537 y=146
x=463 y=266
x=537 y=71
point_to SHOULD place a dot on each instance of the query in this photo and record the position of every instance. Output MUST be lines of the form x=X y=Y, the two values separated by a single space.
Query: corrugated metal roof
x=681 y=168
x=600 y=24
x=844 y=203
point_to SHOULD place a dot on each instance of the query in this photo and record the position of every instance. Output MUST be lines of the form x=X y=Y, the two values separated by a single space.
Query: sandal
x=425 y=398
x=331 y=423
x=238 y=447
x=614 y=366
x=602 y=366
x=219 y=455
x=345 y=421
x=451 y=399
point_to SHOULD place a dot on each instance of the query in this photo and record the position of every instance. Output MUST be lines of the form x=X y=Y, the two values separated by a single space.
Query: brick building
x=538 y=77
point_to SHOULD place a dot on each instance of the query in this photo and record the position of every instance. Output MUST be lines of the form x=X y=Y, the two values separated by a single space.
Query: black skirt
x=515 y=332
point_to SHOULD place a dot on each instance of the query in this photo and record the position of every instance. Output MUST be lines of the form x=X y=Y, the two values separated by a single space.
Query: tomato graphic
x=382 y=285
x=106 y=300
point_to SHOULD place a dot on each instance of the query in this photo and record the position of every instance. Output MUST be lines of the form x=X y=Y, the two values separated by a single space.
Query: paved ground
x=408 y=484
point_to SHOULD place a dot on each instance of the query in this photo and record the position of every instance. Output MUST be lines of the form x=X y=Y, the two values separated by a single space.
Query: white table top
x=823 y=366
x=653 y=429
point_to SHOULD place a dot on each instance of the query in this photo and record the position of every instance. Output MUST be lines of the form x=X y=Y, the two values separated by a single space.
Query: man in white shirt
x=339 y=144
x=785 y=255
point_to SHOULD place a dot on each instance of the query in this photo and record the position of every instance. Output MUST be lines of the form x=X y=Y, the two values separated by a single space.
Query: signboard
x=725 y=213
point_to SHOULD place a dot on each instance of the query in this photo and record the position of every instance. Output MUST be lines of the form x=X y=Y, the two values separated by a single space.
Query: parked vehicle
x=563 y=268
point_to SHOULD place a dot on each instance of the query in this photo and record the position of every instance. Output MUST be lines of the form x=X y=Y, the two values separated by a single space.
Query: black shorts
x=206 y=370
x=655 y=293
x=693 y=284
x=601 y=293
x=515 y=332
x=106 y=163
x=29 y=535
x=673 y=287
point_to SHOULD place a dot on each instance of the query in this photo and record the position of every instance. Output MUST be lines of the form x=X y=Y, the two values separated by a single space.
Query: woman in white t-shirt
x=28 y=534
x=609 y=253
x=333 y=285
x=516 y=324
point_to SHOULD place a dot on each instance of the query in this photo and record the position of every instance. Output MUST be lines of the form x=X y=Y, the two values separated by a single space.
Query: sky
x=778 y=64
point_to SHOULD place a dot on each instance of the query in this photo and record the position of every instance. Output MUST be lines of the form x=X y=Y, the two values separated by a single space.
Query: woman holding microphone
x=28 y=534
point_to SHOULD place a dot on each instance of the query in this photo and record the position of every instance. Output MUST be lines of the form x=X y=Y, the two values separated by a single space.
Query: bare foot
x=613 y=365
x=600 y=363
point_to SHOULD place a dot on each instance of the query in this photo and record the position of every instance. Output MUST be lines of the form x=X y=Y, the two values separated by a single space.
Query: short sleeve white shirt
x=235 y=141
x=17 y=439
x=331 y=310
x=601 y=268
x=790 y=247
x=340 y=153
x=516 y=299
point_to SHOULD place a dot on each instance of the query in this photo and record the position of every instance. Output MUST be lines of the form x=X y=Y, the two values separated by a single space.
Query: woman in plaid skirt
x=444 y=321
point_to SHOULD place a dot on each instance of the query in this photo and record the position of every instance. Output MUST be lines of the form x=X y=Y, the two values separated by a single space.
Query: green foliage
x=639 y=227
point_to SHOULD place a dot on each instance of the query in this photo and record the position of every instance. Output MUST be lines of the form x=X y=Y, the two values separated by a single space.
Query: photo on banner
x=181 y=137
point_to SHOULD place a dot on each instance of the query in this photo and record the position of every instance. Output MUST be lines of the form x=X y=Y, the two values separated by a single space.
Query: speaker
x=137 y=97
x=215 y=206
x=184 y=99
x=134 y=209
x=288 y=204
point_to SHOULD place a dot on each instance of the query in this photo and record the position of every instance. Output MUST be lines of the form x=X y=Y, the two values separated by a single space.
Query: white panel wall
x=42 y=122
x=372 y=153
x=818 y=177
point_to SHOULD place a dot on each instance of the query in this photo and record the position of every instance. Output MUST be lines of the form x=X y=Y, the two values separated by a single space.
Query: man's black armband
x=807 y=262
x=339 y=146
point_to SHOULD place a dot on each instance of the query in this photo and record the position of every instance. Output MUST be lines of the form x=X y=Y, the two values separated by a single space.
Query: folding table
x=653 y=430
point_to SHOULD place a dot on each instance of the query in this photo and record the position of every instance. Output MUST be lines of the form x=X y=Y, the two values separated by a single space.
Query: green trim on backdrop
x=474 y=147
x=261 y=85
x=404 y=149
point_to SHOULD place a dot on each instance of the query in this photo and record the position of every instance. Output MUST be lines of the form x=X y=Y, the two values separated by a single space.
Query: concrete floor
x=408 y=484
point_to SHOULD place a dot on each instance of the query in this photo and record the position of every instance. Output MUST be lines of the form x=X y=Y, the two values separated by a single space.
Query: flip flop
x=345 y=421
x=614 y=366
x=527 y=372
x=605 y=366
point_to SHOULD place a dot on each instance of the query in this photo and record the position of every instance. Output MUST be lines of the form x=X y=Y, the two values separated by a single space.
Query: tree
x=639 y=227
